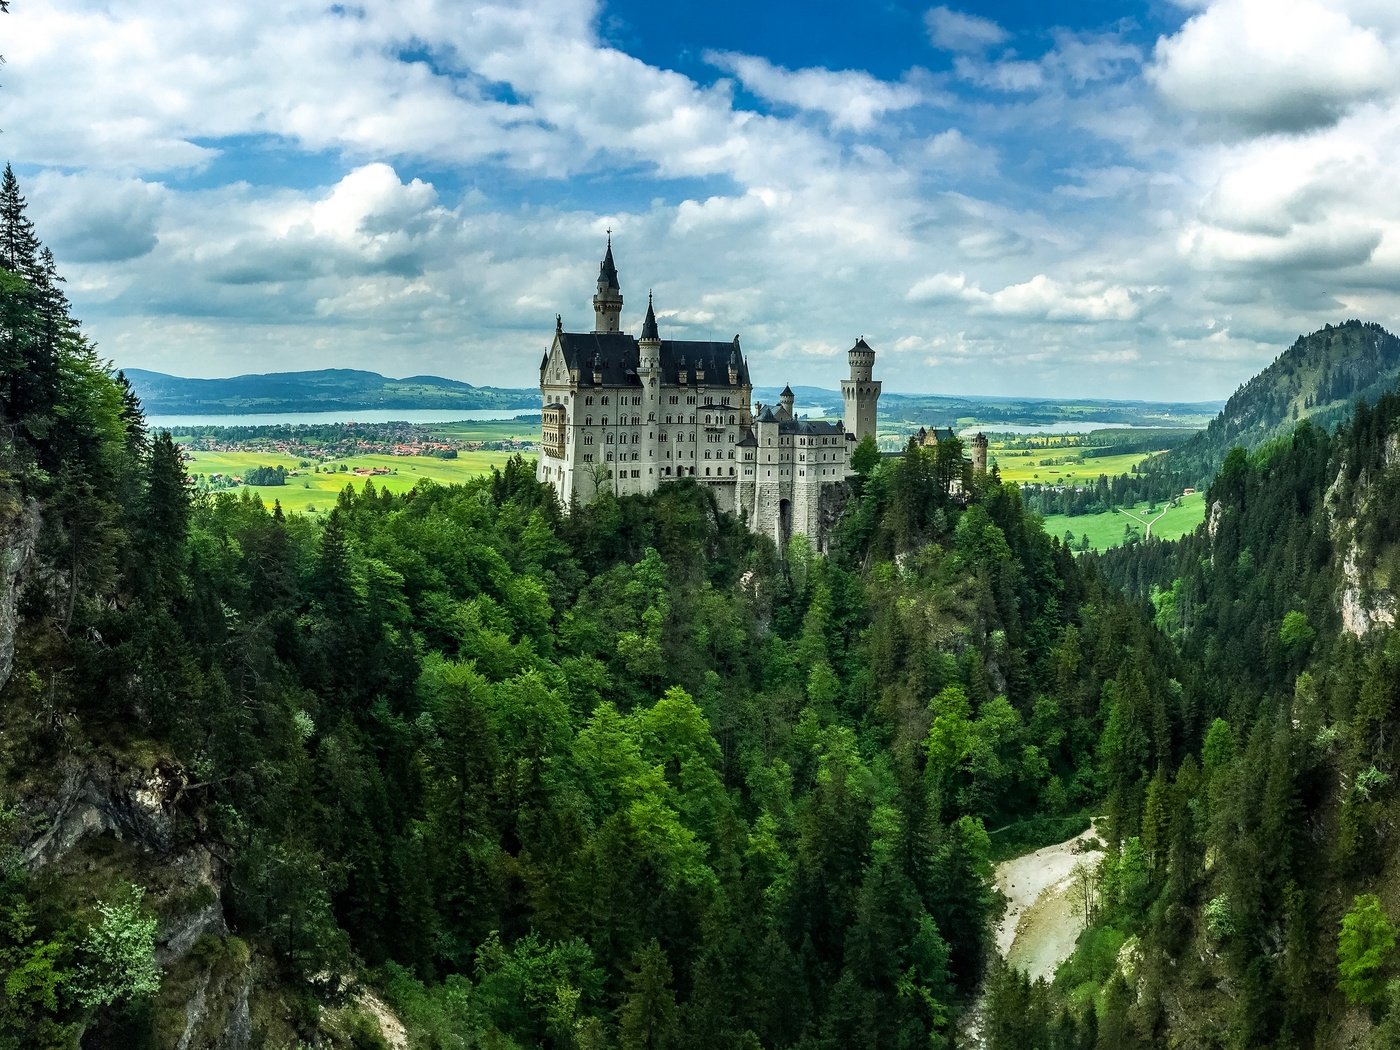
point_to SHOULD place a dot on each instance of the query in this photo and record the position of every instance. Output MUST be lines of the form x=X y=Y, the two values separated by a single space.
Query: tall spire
x=607 y=303
x=649 y=325
x=607 y=270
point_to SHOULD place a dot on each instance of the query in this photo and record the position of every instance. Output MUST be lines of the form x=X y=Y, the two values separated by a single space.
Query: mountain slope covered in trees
x=1320 y=378
x=1251 y=900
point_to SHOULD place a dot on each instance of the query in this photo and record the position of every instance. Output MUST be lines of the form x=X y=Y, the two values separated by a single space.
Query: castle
x=625 y=415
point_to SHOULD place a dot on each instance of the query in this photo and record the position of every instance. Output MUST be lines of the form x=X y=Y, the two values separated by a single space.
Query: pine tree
x=19 y=247
x=647 y=1020
x=162 y=522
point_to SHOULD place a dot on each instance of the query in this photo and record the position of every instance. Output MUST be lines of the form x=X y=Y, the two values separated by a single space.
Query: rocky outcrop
x=1217 y=511
x=18 y=536
x=1363 y=609
x=122 y=822
x=136 y=806
x=1363 y=605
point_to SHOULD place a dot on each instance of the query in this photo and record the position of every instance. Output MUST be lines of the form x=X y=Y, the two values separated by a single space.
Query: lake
x=1078 y=426
x=375 y=415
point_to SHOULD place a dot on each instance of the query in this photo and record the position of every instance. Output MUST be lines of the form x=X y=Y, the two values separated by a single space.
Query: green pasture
x=488 y=430
x=1106 y=530
x=1036 y=465
x=318 y=491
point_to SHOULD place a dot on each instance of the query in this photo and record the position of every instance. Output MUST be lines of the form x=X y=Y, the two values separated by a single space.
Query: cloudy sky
x=1139 y=199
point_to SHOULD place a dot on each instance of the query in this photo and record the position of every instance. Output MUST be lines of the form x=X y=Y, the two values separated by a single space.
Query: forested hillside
x=625 y=777
x=1253 y=898
x=325 y=390
x=1319 y=378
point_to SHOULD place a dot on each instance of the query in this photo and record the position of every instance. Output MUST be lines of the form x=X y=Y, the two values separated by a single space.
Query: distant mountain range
x=353 y=390
x=327 y=390
x=1319 y=378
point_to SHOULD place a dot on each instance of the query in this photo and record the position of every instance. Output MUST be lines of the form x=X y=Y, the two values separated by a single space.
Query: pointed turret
x=649 y=349
x=649 y=325
x=607 y=304
x=785 y=399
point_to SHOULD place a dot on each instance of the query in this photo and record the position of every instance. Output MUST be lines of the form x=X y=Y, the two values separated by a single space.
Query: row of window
x=672 y=399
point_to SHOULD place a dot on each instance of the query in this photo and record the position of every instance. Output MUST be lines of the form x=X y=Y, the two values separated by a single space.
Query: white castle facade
x=626 y=415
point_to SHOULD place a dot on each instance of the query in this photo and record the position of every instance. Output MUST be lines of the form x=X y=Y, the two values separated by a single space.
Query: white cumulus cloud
x=1272 y=65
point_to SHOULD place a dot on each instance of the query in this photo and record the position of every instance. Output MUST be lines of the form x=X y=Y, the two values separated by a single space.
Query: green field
x=1035 y=465
x=308 y=491
x=488 y=430
x=1106 y=530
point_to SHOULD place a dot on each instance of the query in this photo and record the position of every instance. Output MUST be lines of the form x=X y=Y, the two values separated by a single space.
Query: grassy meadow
x=1106 y=530
x=1039 y=465
x=317 y=492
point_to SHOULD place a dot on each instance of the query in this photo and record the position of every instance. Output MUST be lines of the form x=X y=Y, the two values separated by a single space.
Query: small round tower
x=861 y=393
x=979 y=453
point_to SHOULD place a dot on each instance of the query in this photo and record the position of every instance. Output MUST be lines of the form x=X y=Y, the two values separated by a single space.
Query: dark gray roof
x=607 y=271
x=861 y=344
x=787 y=391
x=619 y=355
x=649 y=325
x=748 y=440
x=766 y=416
x=811 y=428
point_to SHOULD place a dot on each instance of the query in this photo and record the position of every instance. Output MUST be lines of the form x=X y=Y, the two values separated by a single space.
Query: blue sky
x=1123 y=200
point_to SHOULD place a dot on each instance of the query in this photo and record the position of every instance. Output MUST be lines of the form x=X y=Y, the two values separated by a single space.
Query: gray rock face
x=134 y=806
x=17 y=539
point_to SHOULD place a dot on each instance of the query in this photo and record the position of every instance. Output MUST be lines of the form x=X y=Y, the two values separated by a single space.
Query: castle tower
x=607 y=304
x=979 y=453
x=785 y=399
x=649 y=375
x=649 y=345
x=860 y=392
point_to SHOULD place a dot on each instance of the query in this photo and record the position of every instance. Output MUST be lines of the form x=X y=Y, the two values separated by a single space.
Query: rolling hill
x=329 y=389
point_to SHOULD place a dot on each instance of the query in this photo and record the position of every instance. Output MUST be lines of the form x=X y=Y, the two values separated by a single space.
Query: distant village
x=319 y=442
x=317 y=445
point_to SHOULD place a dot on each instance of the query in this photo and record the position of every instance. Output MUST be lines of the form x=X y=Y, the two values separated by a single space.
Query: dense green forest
x=1252 y=896
x=622 y=777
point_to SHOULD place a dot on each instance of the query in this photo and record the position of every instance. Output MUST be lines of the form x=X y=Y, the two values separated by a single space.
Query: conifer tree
x=19 y=247
x=648 y=1016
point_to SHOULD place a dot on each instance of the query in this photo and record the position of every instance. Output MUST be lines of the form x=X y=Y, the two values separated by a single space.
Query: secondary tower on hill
x=624 y=414
x=861 y=392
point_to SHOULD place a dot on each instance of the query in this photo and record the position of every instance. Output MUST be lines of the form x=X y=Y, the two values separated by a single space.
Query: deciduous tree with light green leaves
x=1365 y=950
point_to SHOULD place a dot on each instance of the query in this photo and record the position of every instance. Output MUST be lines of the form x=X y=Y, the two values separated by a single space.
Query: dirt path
x=1039 y=929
